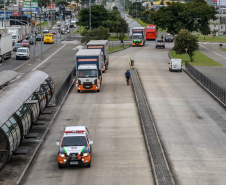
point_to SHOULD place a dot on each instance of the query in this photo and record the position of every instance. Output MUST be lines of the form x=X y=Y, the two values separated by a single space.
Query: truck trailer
x=5 y=47
x=89 y=69
x=103 y=45
x=138 y=36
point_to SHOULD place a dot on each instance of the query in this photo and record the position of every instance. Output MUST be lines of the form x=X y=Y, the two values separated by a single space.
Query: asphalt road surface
x=119 y=154
x=191 y=125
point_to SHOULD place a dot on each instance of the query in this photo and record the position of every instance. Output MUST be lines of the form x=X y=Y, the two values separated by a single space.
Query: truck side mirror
x=91 y=142
x=57 y=143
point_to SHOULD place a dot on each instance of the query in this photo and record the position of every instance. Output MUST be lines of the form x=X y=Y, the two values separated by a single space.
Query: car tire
x=181 y=70
x=16 y=58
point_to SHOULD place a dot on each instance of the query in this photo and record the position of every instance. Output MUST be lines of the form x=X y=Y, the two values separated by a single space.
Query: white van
x=175 y=65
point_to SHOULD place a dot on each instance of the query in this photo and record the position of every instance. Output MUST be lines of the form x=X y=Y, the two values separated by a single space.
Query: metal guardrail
x=64 y=87
x=215 y=89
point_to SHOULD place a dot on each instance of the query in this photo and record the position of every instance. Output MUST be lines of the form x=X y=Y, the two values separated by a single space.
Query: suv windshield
x=74 y=141
x=137 y=36
x=91 y=73
x=21 y=50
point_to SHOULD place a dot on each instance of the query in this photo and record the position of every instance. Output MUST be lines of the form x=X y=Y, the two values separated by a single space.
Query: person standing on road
x=122 y=44
x=127 y=75
x=162 y=37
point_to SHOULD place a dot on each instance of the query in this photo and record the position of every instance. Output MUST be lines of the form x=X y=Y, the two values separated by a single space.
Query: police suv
x=75 y=147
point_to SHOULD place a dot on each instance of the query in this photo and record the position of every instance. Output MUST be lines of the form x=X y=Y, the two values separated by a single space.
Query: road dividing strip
x=213 y=51
x=48 y=58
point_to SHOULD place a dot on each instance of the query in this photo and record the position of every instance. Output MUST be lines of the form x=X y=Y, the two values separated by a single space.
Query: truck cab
x=89 y=70
x=138 y=36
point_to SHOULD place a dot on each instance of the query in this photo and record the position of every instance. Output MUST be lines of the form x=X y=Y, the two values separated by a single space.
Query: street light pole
x=89 y=15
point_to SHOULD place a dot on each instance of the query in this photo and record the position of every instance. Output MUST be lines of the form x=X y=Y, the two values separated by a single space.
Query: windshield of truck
x=22 y=50
x=91 y=73
x=74 y=141
x=138 y=37
x=18 y=45
x=14 y=37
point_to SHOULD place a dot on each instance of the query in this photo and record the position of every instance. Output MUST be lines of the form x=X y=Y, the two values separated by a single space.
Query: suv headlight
x=62 y=155
x=85 y=154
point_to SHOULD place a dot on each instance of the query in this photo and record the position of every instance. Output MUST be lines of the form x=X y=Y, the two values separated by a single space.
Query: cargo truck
x=138 y=36
x=17 y=34
x=151 y=32
x=5 y=47
x=89 y=69
x=103 y=45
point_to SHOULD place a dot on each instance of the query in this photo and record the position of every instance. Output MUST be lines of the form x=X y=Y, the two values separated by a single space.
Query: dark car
x=16 y=46
x=169 y=38
x=32 y=40
x=39 y=37
x=28 y=36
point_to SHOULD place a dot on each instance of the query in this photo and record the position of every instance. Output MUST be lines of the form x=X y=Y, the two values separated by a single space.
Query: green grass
x=114 y=37
x=116 y=48
x=223 y=49
x=199 y=59
x=42 y=24
x=141 y=22
x=211 y=39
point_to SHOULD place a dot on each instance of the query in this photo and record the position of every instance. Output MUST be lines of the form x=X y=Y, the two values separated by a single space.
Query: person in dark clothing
x=122 y=44
x=127 y=75
x=162 y=37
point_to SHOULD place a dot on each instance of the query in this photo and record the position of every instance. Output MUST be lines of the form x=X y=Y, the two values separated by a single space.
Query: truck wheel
x=181 y=70
x=78 y=91
x=59 y=166
x=88 y=165
x=2 y=58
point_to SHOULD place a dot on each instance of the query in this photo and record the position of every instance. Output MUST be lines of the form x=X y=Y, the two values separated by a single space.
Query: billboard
x=32 y=4
x=221 y=2
x=8 y=14
x=15 y=13
x=22 y=20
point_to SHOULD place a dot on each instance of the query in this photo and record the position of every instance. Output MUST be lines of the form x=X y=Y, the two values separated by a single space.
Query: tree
x=193 y=16
x=62 y=3
x=44 y=3
x=99 y=33
x=184 y=40
x=98 y=16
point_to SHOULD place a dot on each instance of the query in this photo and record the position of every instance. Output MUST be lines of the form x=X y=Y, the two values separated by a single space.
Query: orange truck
x=151 y=32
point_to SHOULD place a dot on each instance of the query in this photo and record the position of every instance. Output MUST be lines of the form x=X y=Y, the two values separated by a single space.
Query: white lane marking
x=213 y=51
x=48 y=58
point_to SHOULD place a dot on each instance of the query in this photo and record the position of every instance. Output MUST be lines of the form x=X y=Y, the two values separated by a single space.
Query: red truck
x=151 y=32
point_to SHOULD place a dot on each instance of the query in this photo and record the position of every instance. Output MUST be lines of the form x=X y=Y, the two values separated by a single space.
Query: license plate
x=73 y=162
x=174 y=66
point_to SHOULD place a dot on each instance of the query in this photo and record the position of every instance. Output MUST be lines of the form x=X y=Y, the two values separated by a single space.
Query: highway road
x=190 y=125
x=13 y=64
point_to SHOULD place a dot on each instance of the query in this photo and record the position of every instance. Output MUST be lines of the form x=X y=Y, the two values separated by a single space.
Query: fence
x=65 y=86
x=215 y=89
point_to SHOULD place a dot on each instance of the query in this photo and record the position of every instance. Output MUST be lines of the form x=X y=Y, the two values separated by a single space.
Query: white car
x=45 y=30
x=23 y=53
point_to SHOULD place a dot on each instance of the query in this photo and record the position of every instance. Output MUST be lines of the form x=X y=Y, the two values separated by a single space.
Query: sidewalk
x=215 y=73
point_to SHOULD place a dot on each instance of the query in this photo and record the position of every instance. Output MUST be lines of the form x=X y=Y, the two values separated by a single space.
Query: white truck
x=175 y=65
x=5 y=47
x=17 y=34
x=89 y=69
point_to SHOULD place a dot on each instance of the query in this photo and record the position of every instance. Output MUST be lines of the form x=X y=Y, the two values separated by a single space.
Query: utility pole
x=4 y=17
x=89 y=15
x=219 y=22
